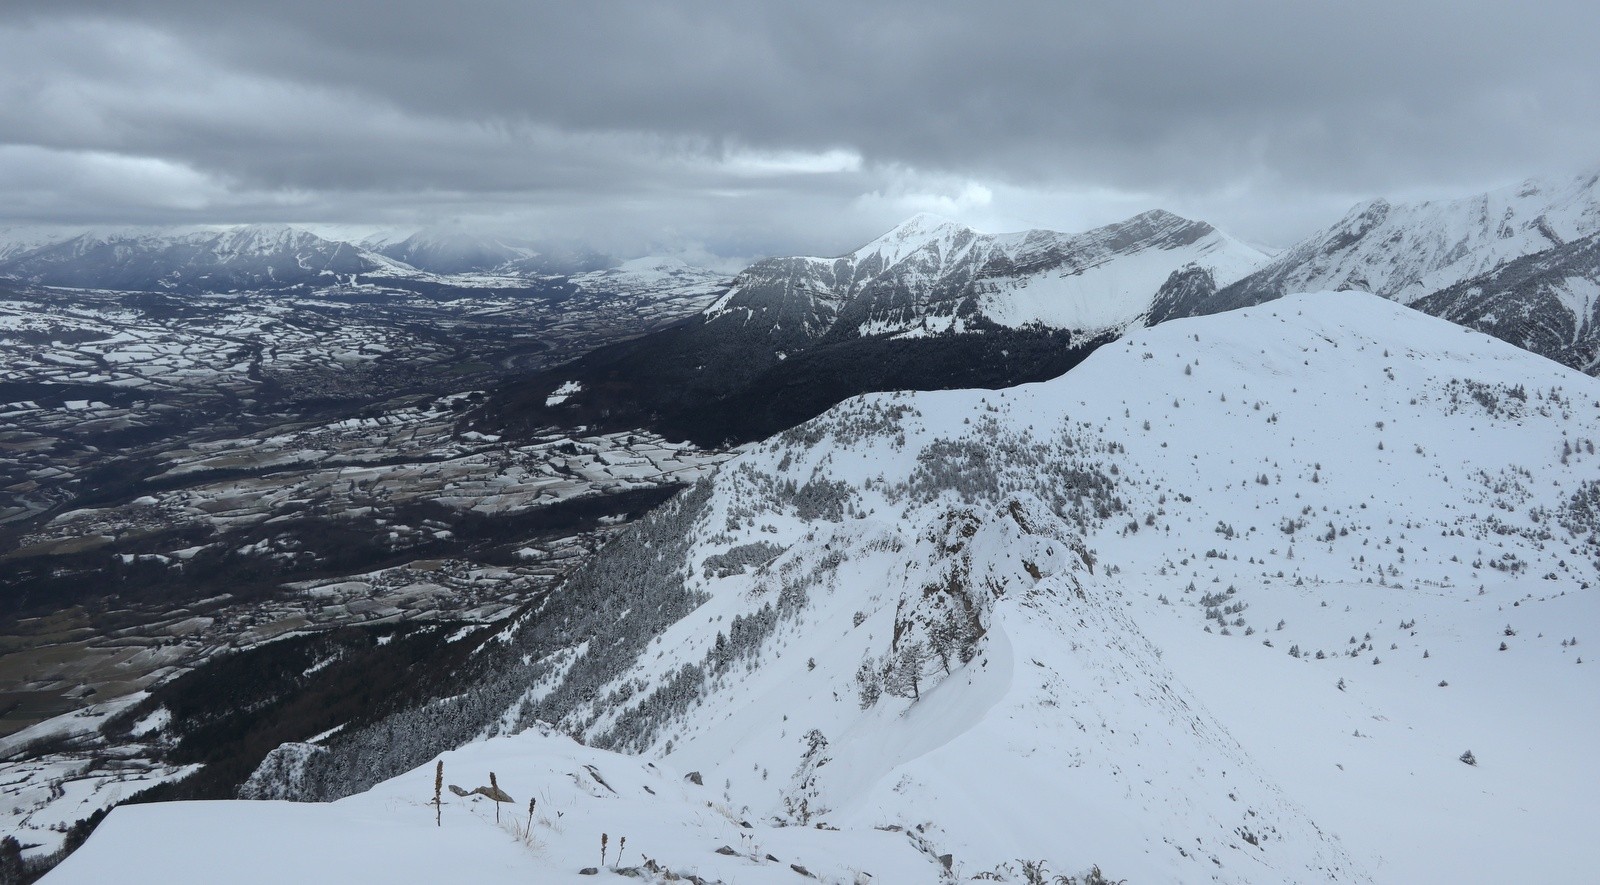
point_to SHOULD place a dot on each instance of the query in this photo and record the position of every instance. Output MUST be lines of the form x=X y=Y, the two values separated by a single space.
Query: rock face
x=1519 y=263
x=281 y=775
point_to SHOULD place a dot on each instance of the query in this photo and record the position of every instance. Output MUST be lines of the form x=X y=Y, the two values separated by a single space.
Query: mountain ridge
x=211 y=259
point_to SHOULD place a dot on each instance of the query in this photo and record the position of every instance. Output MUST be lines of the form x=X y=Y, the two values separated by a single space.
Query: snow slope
x=1224 y=603
x=389 y=833
x=1112 y=287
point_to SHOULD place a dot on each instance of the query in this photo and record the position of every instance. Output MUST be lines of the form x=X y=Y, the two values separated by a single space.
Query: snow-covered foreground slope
x=672 y=827
x=1228 y=602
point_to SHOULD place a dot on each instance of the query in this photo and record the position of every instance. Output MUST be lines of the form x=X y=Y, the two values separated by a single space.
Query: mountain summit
x=921 y=231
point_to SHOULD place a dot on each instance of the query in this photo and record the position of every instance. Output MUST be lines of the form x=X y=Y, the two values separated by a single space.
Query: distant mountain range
x=262 y=257
x=189 y=260
x=930 y=304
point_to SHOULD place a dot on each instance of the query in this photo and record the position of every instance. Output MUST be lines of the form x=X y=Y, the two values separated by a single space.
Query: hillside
x=1229 y=602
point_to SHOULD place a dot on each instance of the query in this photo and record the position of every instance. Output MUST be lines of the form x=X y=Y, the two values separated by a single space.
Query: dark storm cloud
x=749 y=123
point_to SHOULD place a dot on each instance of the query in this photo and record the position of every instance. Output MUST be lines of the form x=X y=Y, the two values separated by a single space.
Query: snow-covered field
x=1229 y=602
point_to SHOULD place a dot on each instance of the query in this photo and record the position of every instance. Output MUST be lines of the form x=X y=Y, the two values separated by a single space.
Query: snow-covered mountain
x=1231 y=601
x=257 y=256
x=652 y=274
x=930 y=304
x=929 y=275
x=267 y=257
x=455 y=251
x=1449 y=258
x=21 y=239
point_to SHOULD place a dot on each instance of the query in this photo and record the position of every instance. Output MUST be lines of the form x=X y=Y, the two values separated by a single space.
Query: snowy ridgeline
x=931 y=276
x=1520 y=263
x=591 y=809
x=1406 y=251
x=1229 y=602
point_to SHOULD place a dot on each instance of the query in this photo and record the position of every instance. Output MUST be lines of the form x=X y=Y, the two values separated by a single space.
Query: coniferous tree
x=438 y=787
x=12 y=868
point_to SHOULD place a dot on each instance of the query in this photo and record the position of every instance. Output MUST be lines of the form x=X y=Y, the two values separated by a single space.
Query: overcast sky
x=740 y=128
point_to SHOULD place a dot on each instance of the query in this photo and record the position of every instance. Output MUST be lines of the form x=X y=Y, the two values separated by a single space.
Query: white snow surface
x=563 y=393
x=389 y=834
x=1346 y=477
x=1115 y=290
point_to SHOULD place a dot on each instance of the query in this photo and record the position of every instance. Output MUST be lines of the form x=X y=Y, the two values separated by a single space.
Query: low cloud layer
x=755 y=128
